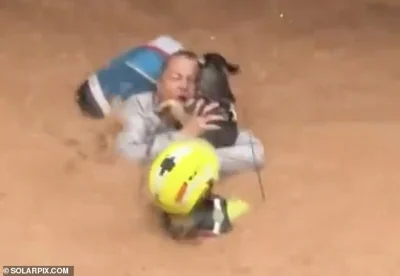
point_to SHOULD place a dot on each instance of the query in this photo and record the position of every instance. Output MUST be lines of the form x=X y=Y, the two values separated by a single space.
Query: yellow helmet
x=182 y=174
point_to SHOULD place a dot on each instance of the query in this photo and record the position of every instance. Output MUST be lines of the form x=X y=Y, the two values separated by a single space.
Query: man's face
x=178 y=81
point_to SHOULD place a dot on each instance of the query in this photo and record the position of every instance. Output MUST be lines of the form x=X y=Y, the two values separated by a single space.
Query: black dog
x=213 y=86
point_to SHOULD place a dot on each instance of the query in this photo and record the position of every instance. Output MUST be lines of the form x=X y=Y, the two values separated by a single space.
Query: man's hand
x=180 y=227
x=201 y=119
x=174 y=109
x=197 y=121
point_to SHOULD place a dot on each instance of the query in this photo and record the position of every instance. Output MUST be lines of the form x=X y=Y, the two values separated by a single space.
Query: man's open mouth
x=182 y=98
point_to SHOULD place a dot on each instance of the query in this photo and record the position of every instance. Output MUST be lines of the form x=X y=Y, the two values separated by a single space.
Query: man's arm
x=140 y=138
x=133 y=144
x=247 y=154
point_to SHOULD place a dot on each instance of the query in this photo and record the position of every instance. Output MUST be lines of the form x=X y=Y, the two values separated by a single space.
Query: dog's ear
x=232 y=69
x=202 y=61
x=221 y=60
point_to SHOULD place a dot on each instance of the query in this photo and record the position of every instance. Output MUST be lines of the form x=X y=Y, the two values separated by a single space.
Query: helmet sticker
x=197 y=180
x=171 y=160
x=181 y=192
x=169 y=163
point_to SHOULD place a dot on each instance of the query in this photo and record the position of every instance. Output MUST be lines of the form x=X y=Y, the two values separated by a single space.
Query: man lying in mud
x=146 y=132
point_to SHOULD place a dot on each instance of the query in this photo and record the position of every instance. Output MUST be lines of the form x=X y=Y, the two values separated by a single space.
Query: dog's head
x=213 y=81
x=220 y=62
